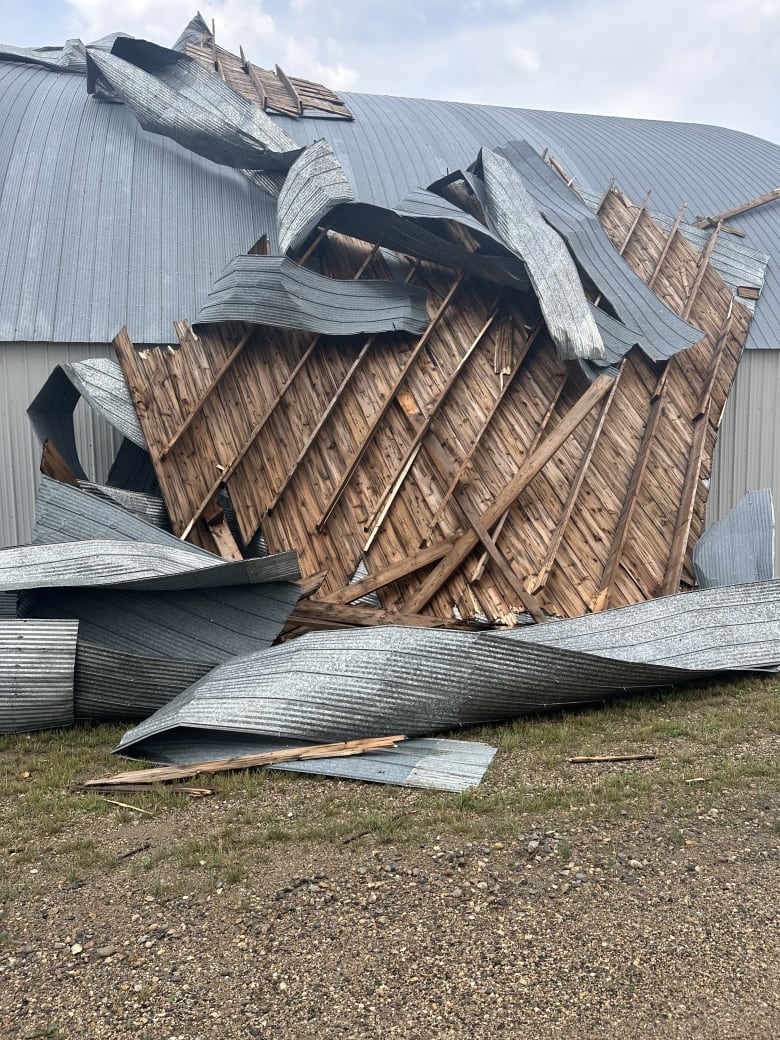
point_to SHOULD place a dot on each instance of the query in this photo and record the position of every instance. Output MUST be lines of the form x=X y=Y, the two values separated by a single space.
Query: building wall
x=747 y=456
x=24 y=367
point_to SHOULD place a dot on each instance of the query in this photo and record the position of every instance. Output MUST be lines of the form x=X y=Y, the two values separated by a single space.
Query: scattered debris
x=588 y=759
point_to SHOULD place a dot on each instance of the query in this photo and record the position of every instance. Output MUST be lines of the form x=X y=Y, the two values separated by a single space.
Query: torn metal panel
x=708 y=631
x=37 y=660
x=67 y=514
x=139 y=565
x=271 y=290
x=72 y=57
x=204 y=625
x=663 y=333
x=101 y=383
x=110 y=684
x=172 y=95
x=424 y=762
x=555 y=278
x=150 y=508
x=741 y=547
x=195 y=31
x=332 y=686
x=315 y=184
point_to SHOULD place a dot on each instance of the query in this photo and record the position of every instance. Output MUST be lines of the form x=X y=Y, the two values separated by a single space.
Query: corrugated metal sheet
x=556 y=281
x=661 y=332
x=271 y=290
x=83 y=253
x=394 y=145
x=746 y=455
x=37 y=660
x=369 y=682
x=172 y=95
x=133 y=565
x=426 y=762
x=24 y=368
x=741 y=547
x=315 y=184
x=7 y=605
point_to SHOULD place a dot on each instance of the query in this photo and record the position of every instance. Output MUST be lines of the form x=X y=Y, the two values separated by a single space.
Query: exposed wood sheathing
x=469 y=467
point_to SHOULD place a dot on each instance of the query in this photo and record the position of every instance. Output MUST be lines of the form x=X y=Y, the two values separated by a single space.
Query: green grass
x=714 y=733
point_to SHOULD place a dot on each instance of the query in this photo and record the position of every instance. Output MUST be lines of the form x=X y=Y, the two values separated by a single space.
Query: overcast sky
x=707 y=61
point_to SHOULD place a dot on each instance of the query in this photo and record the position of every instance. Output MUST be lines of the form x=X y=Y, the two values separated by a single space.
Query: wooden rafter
x=369 y=435
x=285 y=81
x=614 y=555
x=682 y=526
x=701 y=270
x=530 y=468
x=727 y=214
x=667 y=245
x=548 y=562
x=632 y=226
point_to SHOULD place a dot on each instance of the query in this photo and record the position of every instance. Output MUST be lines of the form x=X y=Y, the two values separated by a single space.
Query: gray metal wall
x=747 y=456
x=24 y=368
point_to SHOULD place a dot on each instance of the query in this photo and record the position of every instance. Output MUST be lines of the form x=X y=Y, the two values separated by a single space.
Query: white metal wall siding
x=24 y=367
x=747 y=456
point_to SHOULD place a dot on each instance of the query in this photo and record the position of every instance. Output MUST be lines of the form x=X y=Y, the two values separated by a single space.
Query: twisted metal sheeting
x=556 y=281
x=272 y=290
x=337 y=686
x=172 y=95
x=315 y=184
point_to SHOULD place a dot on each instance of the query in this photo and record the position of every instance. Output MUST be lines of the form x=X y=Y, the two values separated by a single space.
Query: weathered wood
x=718 y=353
x=166 y=774
x=458 y=477
x=357 y=615
x=198 y=405
x=735 y=211
x=53 y=465
x=667 y=245
x=422 y=430
x=701 y=270
x=391 y=573
x=369 y=435
x=606 y=195
x=254 y=79
x=687 y=503
x=543 y=574
x=632 y=226
x=601 y=600
x=294 y=96
x=530 y=468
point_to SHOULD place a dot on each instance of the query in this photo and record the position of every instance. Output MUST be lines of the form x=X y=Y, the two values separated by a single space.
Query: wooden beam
x=315 y=611
x=601 y=600
x=606 y=195
x=53 y=465
x=634 y=222
x=727 y=214
x=537 y=438
x=540 y=580
x=285 y=81
x=718 y=351
x=422 y=429
x=216 y=380
x=369 y=435
x=254 y=79
x=458 y=476
x=667 y=245
x=682 y=527
x=701 y=270
x=392 y=572
x=530 y=468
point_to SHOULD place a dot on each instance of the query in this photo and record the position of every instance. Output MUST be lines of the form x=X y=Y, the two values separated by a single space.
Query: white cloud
x=711 y=61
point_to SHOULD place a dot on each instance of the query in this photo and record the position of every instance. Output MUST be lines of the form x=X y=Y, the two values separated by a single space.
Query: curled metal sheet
x=37 y=660
x=369 y=682
x=150 y=508
x=662 y=332
x=101 y=383
x=172 y=95
x=741 y=547
x=272 y=290
x=556 y=281
x=314 y=185
x=192 y=32
x=134 y=565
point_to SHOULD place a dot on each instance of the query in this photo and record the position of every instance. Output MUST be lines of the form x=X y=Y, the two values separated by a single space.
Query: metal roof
x=740 y=547
x=97 y=216
x=37 y=660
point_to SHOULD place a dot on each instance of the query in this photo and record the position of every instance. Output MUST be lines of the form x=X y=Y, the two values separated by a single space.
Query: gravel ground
x=594 y=929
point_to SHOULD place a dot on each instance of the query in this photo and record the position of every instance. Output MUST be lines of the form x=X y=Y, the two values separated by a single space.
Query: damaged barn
x=492 y=404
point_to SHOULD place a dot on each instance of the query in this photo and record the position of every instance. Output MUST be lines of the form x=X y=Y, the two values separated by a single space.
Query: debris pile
x=489 y=406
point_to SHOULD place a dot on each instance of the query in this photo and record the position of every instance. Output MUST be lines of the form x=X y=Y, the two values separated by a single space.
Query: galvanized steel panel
x=369 y=682
x=553 y=273
x=741 y=547
x=172 y=95
x=315 y=184
x=37 y=660
x=272 y=290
